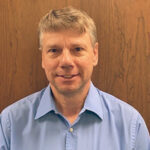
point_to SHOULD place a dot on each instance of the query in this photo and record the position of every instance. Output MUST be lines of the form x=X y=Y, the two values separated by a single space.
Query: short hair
x=68 y=18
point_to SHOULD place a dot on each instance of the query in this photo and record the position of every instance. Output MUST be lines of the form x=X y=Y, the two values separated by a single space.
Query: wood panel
x=20 y=60
x=124 y=48
x=124 y=52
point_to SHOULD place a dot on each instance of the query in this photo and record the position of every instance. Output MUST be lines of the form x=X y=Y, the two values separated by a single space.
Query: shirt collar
x=46 y=104
x=92 y=103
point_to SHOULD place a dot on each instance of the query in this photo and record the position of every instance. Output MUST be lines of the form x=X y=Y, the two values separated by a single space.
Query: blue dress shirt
x=104 y=123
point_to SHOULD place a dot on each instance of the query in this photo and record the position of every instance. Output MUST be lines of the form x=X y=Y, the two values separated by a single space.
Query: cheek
x=49 y=71
x=86 y=61
x=85 y=65
x=47 y=67
x=48 y=64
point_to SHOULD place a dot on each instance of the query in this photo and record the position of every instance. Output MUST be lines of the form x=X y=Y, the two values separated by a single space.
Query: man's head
x=69 y=50
x=65 y=19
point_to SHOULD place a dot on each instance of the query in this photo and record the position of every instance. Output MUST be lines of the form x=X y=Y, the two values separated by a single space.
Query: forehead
x=65 y=37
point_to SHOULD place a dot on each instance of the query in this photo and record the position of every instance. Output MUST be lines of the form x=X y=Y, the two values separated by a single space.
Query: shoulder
x=22 y=107
x=115 y=105
x=16 y=116
x=121 y=113
x=125 y=119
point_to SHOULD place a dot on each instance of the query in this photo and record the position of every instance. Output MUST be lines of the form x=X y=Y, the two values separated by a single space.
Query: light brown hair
x=67 y=18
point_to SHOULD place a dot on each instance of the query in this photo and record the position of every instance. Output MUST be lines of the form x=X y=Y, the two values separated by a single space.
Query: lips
x=68 y=76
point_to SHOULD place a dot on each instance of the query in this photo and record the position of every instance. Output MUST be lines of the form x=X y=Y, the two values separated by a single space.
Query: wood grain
x=124 y=54
x=124 y=48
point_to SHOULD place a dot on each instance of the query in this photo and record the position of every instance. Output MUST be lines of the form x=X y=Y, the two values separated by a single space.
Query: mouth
x=67 y=76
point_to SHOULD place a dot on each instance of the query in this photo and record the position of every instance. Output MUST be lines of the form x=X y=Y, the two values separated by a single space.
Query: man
x=70 y=113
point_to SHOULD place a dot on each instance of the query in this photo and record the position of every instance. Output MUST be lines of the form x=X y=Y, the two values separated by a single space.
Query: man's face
x=68 y=59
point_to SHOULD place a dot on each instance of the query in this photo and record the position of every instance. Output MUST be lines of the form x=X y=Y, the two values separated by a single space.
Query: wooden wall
x=124 y=50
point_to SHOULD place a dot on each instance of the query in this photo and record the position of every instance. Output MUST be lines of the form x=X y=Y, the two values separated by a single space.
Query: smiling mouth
x=68 y=76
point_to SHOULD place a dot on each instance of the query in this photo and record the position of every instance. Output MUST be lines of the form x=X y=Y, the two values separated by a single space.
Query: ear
x=95 y=56
x=42 y=63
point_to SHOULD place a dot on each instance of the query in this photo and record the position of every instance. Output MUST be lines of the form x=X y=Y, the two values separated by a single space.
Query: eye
x=53 y=50
x=78 y=49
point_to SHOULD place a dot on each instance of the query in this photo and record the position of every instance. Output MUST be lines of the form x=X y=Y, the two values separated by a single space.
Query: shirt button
x=71 y=129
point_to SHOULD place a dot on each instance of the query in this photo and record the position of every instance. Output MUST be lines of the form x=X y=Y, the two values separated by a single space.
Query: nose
x=66 y=60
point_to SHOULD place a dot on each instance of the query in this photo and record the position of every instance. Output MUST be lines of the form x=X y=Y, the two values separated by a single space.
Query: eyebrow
x=53 y=45
x=76 y=44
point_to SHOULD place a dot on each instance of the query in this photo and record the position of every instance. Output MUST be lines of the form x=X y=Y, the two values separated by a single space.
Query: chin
x=68 y=91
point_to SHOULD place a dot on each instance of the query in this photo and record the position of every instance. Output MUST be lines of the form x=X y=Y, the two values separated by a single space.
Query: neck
x=70 y=105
